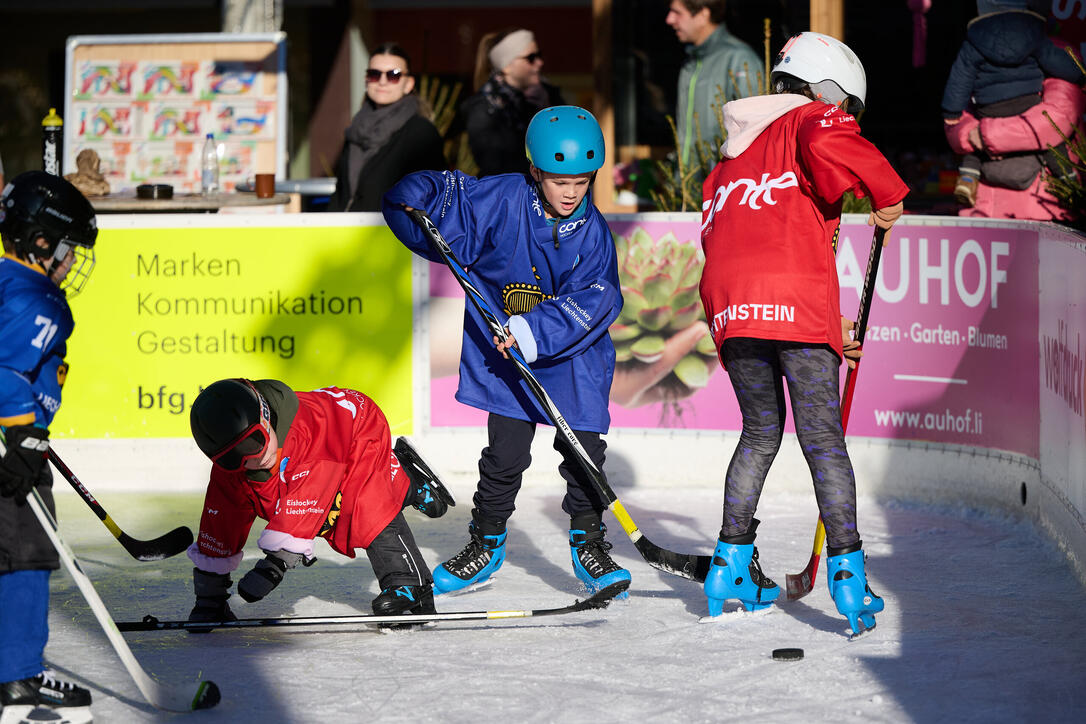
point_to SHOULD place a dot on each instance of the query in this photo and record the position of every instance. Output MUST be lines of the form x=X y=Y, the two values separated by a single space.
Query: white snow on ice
x=983 y=623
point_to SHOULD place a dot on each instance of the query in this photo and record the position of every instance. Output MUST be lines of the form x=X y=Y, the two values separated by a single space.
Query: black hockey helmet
x=38 y=205
x=231 y=422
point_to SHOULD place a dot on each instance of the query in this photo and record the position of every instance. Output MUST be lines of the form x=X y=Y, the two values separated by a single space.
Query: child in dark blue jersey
x=541 y=252
x=48 y=230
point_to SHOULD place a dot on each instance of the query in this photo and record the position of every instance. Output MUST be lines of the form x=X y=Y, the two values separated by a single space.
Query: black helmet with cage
x=231 y=422
x=38 y=207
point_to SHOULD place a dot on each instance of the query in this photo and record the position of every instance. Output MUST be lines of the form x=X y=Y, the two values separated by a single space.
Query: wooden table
x=181 y=203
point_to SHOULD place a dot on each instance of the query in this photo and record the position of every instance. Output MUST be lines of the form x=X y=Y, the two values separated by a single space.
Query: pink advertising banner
x=950 y=354
x=1062 y=366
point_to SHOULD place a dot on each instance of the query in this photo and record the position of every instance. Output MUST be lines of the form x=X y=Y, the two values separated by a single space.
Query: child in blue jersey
x=539 y=251
x=48 y=231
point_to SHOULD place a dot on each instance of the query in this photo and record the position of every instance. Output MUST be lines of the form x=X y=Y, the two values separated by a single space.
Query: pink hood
x=746 y=118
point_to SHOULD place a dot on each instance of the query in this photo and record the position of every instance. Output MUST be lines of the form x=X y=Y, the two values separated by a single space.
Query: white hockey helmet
x=826 y=65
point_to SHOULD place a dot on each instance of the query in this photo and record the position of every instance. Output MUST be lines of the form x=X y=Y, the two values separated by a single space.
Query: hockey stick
x=798 y=585
x=599 y=600
x=180 y=697
x=166 y=545
x=690 y=566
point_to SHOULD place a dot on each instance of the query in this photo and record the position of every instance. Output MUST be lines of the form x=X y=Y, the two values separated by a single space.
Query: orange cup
x=264 y=183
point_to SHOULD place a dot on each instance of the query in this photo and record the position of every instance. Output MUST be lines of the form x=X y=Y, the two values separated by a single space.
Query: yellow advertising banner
x=168 y=310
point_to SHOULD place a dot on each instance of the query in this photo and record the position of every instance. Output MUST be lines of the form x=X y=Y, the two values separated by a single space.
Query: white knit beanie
x=510 y=48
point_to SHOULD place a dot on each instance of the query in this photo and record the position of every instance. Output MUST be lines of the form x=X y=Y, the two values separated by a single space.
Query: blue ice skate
x=476 y=563
x=592 y=561
x=736 y=573
x=849 y=590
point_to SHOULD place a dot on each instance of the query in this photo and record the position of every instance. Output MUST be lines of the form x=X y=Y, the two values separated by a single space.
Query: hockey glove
x=27 y=448
x=267 y=574
x=212 y=590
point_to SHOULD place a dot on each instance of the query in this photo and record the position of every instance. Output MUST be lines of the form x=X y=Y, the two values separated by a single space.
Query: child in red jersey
x=312 y=464
x=771 y=215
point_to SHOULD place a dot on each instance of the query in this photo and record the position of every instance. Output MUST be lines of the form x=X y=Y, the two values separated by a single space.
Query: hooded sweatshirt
x=772 y=212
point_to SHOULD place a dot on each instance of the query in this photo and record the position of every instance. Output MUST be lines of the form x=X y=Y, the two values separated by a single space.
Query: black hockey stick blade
x=169 y=544
x=690 y=566
x=598 y=600
x=164 y=546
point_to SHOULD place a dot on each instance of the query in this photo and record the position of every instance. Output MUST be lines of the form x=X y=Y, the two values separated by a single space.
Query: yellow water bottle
x=52 y=135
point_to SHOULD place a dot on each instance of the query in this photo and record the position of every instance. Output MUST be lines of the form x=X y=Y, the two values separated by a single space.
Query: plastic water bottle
x=209 y=166
x=52 y=134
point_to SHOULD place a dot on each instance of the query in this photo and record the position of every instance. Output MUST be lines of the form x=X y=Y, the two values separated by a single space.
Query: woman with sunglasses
x=510 y=92
x=314 y=465
x=390 y=136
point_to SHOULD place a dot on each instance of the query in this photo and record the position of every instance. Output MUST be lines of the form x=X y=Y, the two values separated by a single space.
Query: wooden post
x=767 y=30
x=603 y=191
x=828 y=17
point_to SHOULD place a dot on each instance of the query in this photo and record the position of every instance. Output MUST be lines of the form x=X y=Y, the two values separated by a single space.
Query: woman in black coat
x=388 y=138
x=511 y=91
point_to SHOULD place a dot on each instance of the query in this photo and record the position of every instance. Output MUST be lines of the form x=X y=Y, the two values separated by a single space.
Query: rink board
x=971 y=387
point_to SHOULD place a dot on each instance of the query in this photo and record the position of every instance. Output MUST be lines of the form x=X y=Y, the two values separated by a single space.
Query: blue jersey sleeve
x=446 y=197
x=35 y=323
x=588 y=300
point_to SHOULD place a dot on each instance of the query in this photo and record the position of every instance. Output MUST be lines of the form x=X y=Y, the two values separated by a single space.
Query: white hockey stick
x=180 y=697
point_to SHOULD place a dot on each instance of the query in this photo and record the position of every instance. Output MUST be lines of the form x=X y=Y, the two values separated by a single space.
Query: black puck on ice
x=787 y=654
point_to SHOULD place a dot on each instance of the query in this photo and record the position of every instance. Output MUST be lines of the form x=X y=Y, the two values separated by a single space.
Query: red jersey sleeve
x=225 y=522
x=836 y=159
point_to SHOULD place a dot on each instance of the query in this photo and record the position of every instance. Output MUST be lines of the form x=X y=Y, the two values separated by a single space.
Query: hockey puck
x=787 y=654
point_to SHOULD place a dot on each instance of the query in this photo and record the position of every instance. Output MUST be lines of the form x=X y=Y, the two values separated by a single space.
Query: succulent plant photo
x=660 y=291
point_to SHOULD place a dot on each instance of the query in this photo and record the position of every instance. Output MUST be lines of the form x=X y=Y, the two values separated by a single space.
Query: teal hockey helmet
x=566 y=140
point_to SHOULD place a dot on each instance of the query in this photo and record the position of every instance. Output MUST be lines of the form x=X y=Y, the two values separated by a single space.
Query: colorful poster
x=169 y=79
x=168 y=121
x=104 y=79
x=232 y=79
x=105 y=122
x=170 y=309
x=172 y=163
x=243 y=119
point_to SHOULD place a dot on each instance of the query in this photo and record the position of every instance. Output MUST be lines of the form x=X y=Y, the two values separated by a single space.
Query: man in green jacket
x=719 y=68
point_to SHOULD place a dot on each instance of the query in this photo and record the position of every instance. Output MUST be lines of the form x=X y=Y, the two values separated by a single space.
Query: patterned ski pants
x=756 y=367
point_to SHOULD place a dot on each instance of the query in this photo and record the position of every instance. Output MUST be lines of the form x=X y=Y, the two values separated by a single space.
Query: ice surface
x=983 y=623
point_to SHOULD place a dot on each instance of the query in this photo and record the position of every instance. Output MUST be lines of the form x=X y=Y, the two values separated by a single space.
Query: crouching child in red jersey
x=770 y=219
x=312 y=464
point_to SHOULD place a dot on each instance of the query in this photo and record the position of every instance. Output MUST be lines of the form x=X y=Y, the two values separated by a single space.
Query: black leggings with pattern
x=756 y=367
